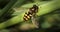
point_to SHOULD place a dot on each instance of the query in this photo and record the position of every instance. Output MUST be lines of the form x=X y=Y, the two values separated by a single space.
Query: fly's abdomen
x=27 y=16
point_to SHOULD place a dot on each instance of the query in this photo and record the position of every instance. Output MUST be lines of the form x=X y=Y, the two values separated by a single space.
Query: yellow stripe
x=25 y=18
x=25 y=14
x=28 y=17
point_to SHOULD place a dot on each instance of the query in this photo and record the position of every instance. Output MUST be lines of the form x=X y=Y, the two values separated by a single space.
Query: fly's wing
x=34 y=21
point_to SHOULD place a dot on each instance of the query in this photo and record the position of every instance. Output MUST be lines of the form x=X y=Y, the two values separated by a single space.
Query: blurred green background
x=12 y=11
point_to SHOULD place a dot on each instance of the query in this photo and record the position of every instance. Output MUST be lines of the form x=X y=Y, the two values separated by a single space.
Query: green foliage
x=18 y=10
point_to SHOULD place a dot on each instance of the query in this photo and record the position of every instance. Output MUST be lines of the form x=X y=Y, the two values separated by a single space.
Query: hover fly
x=32 y=12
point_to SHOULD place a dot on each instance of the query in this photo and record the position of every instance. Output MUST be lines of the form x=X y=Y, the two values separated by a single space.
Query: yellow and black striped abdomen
x=27 y=16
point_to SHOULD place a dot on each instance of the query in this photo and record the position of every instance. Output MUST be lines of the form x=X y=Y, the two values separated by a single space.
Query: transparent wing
x=35 y=21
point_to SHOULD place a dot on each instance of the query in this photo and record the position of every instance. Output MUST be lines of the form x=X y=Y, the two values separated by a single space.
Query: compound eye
x=34 y=5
